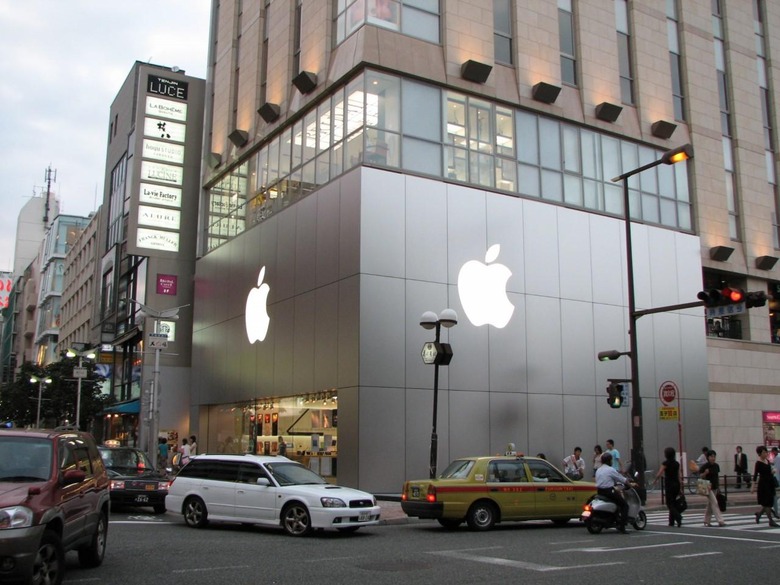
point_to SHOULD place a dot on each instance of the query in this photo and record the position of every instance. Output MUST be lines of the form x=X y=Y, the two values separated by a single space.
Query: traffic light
x=755 y=299
x=725 y=296
x=615 y=395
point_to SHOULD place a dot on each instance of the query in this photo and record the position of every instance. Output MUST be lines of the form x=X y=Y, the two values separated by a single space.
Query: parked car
x=266 y=490
x=483 y=491
x=53 y=499
x=132 y=479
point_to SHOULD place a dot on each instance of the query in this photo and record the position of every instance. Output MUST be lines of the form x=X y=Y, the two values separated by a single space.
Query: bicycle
x=691 y=481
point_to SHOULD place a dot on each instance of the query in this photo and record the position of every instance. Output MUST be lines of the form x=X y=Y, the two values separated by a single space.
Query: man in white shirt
x=574 y=465
x=606 y=478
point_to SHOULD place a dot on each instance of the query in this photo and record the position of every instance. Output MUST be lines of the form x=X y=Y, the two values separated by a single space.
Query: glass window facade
x=502 y=31
x=449 y=135
x=567 y=42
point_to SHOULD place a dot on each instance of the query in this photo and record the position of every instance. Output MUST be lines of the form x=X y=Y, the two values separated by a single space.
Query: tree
x=19 y=399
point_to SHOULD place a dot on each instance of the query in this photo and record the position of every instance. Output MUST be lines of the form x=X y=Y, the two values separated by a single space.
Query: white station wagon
x=272 y=491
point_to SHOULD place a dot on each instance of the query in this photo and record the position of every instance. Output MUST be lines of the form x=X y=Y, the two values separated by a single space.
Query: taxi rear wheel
x=482 y=516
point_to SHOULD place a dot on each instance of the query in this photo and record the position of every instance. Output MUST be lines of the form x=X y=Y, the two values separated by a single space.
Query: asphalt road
x=145 y=549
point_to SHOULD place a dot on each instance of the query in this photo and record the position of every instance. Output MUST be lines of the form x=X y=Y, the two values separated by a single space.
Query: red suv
x=53 y=498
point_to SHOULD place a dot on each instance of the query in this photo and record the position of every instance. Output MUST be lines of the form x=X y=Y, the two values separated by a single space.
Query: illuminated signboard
x=161 y=173
x=6 y=287
x=159 y=217
x=168 y=327
x=167 y=284
x=154 y=149
x=157 y=240
x=166 y=109
x=167 y=87
x=160 y=195
x=165 y=130
x=771 y=424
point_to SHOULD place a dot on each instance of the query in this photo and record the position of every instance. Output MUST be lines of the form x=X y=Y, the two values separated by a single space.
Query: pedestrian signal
x=755 y=299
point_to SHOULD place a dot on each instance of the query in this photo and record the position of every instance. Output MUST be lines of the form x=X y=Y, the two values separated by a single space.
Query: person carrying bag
x=709 y=474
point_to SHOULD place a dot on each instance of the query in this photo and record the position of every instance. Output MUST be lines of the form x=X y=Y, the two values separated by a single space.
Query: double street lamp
x=40 y=381
x=673 y=156
x=438 y=354
x=81 y=372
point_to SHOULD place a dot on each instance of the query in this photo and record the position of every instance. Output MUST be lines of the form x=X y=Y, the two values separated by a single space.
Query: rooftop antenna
x=50 y=177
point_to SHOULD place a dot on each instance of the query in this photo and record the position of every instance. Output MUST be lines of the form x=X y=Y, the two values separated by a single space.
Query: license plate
x=141 y=499
x=364 y=516
x=415 y=491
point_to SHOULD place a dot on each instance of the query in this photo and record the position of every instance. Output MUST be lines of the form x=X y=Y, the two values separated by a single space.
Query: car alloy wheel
x=49 y=563
x=296 y=520
x=195 y=514
x=481 y=516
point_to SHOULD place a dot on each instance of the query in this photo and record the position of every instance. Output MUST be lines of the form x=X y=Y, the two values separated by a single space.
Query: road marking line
x=621 y=549
x=704 y=554
x=516 y=564
x=205 y=569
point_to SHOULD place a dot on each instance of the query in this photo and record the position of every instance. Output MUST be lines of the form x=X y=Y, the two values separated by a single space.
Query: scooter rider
x=606 y=478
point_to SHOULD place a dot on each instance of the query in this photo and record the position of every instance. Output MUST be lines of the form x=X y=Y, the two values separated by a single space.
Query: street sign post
x=158 y=340
x=668 y=392
x=79 y=372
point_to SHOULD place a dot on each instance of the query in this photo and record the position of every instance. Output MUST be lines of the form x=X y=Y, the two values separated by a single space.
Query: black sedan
x=134 y=482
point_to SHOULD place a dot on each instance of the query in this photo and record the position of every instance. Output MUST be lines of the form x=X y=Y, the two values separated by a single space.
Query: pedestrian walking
x=777 y=481
x=711 y=472
x=185 y=452
x=162 y=453
x=741 y=468
x=193 y=446
x=765 y=480
x=616 y=461
x=670 y=470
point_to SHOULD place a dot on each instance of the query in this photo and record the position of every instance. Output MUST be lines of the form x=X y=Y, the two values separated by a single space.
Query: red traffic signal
x=725 y=296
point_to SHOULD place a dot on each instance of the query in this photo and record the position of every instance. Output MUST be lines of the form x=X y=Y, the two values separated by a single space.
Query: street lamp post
x=436 y=353
x=158 y=342
x=80 y=373
x=673 y=156
x=41 y=382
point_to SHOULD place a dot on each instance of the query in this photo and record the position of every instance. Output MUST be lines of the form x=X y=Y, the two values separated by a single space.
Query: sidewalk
x=392 y=513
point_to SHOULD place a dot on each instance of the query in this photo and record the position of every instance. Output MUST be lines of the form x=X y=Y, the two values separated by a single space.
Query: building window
x=263 y=93
x=502 y=31
x=297 y=38
x=675 y=58
x=414 y=18
x=624 y=52
x=566 y=42
x=732 y=203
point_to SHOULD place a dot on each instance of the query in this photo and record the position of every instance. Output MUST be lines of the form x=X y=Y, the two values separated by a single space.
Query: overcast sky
x=62 y=63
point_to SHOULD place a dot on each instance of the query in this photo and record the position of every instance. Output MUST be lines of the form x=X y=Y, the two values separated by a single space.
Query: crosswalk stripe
x=743 y=522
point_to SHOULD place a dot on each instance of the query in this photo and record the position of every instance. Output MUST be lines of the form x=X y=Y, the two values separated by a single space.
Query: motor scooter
x=600 y=512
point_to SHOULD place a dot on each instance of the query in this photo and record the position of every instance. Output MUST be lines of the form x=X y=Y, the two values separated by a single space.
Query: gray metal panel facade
x=355 y=327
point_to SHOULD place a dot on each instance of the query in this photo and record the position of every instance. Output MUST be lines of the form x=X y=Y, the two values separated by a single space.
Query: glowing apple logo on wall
x=482 y=291
x=256 y=314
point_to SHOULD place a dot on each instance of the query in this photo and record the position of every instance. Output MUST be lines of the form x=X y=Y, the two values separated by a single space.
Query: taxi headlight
x=15 y=517
x=332 y=503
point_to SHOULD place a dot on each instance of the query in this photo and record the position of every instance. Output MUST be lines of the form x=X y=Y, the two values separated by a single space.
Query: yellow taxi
x=484 y=491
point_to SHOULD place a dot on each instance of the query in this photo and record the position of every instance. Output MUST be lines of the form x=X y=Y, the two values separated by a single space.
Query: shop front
x=306 y=424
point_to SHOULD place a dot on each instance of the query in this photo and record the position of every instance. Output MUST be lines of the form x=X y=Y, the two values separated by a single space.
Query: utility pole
x=50 y=176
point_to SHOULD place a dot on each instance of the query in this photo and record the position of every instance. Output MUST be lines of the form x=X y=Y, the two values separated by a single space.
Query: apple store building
x=325 y=247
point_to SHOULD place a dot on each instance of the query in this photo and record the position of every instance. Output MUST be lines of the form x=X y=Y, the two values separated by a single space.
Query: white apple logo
x=482 y=291
x=256 y=315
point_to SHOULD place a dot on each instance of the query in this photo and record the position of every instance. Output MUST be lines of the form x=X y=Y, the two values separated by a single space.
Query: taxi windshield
x=458 y=469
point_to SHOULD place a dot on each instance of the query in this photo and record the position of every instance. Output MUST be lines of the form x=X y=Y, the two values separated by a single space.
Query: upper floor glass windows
x=383 y=120
x=415 y=18
x=625 y=64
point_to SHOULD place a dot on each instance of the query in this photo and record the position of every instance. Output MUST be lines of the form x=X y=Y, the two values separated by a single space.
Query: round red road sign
x=668 y=392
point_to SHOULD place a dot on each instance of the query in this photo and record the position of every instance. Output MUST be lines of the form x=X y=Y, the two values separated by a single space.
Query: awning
x=129 y=407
